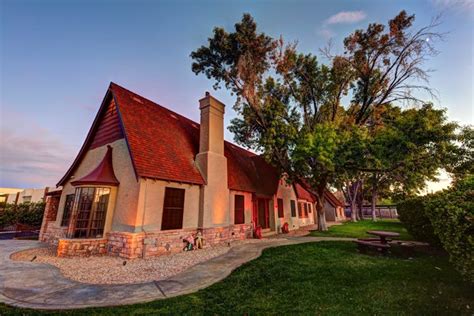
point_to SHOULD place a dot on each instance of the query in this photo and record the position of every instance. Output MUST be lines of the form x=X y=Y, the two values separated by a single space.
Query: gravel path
x=115 y=270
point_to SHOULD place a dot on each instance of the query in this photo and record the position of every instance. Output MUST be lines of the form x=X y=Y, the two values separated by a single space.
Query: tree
x=289 y=105
x=461 y=161
x=407 y=148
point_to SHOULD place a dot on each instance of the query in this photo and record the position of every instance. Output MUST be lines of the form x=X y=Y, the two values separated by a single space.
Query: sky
x=57 y=59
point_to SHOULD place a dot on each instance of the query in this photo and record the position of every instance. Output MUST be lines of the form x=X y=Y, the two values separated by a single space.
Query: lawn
x=329 y=278
x=359 y=229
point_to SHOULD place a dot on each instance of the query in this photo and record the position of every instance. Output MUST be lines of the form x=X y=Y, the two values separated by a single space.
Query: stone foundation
x=81 y=247
x=145 y=244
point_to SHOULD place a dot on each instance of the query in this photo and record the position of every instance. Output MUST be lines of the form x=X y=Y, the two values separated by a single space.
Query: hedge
x=452 y=217
x=24 y=213
x=446 y=219
x=413 y=214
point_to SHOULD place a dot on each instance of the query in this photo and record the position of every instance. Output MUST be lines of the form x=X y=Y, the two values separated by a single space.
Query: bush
x=452 y=217
x=413 y=214
x=25 y=213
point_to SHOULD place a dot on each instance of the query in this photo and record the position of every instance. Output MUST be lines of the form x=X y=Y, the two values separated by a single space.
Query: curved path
x=42 y=286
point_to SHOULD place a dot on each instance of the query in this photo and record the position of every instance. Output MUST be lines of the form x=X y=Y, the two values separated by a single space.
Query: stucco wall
x=310 y=219
x=287 y=193
x=151 y=200
x=330 y=212
x=124 y=214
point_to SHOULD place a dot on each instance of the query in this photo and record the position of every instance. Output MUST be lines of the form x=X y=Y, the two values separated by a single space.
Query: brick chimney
x=214 y=206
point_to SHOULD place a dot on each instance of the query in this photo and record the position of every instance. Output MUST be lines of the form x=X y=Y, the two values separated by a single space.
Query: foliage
x=359 y=229
x=290 y=107
x=452 y=216
x=462 y=158
x=24 y=213
x=327 y=278
x=415 y=216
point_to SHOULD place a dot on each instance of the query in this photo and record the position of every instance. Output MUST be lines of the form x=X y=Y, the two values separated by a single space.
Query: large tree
x=406 y=148
x=289 y=105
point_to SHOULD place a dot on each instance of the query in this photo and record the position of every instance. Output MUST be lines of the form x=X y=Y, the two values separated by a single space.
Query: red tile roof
x=164 y=144
x=303 y=194
x=332 y=199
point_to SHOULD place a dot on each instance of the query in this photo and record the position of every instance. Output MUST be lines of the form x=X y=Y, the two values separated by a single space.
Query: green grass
x=359 y=229
x=329 y=278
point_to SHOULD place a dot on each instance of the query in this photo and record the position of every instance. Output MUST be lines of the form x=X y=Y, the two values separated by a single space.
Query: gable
x=108 y=129
x=163 y=144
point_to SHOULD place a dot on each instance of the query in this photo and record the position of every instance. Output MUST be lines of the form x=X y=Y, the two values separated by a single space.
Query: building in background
x=18 y=196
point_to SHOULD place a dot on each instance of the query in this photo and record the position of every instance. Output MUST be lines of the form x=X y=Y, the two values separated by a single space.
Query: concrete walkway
x=42 y=286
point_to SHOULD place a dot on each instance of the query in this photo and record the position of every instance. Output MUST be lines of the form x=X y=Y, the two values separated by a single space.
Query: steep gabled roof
x=302 y=193
x=164 y=144
x=332 y=199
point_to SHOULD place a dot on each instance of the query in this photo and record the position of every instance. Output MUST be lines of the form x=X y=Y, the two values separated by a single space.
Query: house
x=333 y=208
x=146 y=177
x=18 y=196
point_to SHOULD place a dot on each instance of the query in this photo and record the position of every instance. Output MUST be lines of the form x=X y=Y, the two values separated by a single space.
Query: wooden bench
x=372 y=244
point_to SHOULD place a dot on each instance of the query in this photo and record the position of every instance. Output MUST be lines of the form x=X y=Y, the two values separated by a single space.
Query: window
x=239 y=213
x=91 y=211
x=310 y=208
x=280 y=208
x=67 y=210
x=300 y=210
x=293 y=208
x=27 y=199
x=305 y=210
x=173 y=209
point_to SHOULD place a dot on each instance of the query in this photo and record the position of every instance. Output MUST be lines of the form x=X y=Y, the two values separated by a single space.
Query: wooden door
x=263 y=216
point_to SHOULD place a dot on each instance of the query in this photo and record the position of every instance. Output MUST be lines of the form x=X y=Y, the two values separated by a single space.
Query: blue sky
x=58 y=57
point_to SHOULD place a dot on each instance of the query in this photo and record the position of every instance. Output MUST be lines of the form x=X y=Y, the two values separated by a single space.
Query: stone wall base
x=146 y=244
x=81 y=247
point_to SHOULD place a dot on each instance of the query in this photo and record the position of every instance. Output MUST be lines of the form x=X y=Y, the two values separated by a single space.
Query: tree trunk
x=321 y=216
x=374 y=201
x=320 y=206
x=353 y=210
x=359 y=198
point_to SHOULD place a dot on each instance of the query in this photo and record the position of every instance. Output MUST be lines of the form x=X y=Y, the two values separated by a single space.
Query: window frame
x=67 y=209
x=91 y=214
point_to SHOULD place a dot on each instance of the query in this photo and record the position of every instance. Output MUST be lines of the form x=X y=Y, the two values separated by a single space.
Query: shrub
x=452 y=217
x=413 y=214
x=25 y=213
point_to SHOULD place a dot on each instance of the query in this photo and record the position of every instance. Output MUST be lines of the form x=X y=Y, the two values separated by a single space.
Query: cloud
x=346 y=17
x=458 y=5
x=31 y=155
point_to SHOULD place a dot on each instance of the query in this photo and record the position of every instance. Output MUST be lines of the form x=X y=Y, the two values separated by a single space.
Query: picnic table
x=380 y=243
x=383 y=235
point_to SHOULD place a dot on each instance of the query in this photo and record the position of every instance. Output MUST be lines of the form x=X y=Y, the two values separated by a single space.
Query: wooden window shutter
x=293 y=208
x=173 y=209
x=280 y=208
x=306 y=210
x=300 y=210
x=239 y=209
